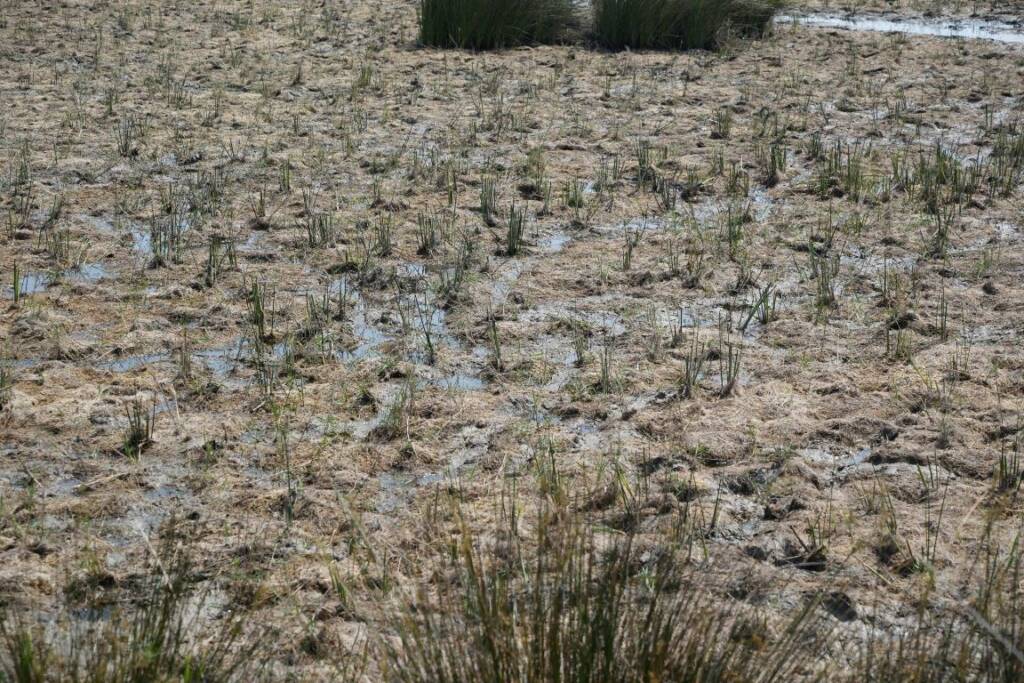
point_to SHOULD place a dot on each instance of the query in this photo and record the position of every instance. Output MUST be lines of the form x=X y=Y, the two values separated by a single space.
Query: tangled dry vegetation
x=327 y=355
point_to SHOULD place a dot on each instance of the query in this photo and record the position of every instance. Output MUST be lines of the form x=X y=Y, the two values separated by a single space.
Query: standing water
x=974 y=29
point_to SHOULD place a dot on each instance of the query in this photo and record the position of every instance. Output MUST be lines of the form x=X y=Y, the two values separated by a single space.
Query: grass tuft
x=159 y=640
x=494 y=24
x=678 y=24
x=574 y=612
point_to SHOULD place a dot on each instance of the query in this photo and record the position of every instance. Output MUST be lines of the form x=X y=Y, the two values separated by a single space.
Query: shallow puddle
x=971 y=29
x=554 y=243
x=368 y=336
x=39 y=281
x=411 y=270
x=461 y=382
x=31 y=283
x=221 y=361
x=129 y=363
x=89 y=272
x=639 y=225
x=819 y=456
x=505 y=276
x=142 y=241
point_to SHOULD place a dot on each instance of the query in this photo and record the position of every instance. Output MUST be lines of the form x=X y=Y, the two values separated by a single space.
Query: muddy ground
x=159 y=158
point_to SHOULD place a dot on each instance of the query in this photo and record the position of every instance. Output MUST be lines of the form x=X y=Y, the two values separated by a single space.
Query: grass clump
x=573 y=612
x=157 y=640
x=678 y=24
x=494 y=24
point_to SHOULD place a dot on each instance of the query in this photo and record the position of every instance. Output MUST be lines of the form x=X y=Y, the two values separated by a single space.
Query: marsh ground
x=281 y=232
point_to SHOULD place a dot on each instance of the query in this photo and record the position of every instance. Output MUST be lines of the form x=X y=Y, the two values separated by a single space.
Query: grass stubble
x=281 y=311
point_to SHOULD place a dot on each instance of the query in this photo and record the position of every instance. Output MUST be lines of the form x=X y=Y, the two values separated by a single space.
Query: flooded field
x=304 y=324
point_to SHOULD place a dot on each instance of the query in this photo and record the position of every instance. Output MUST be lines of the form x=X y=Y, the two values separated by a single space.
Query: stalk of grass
x=384 y=235
x=655 y=347
x=218 y=253
x=395 y=416
x=494 y=24
x=580 y=342
x=607 y=382
x=139 y=434
x=693 y=366
x=729 y=368
x=678 y=24
x=427 y=313
x=17 y=284
x=6 y=381
x=632 y=237
x=184 y=357
x=488 y=199
x=495 y=341
x=763 y=308
x=261 y=302
x=1009 y=470
x=516 y=231
x=429 y=233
